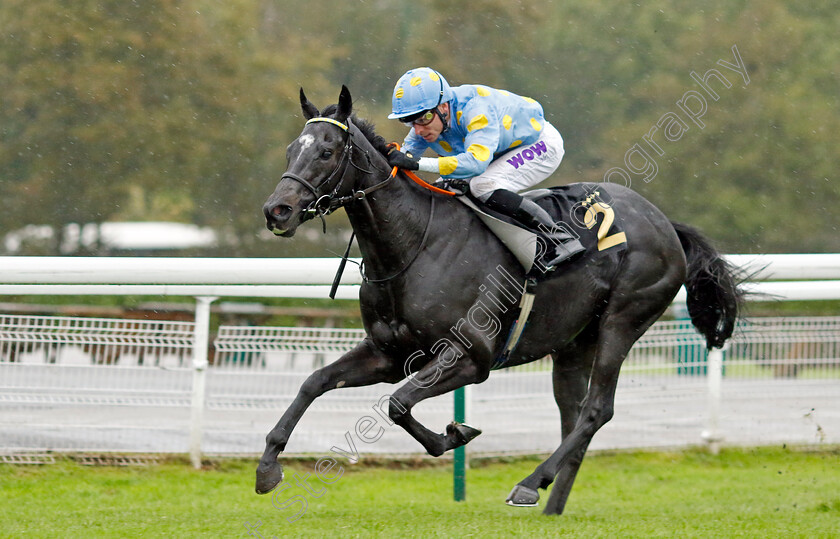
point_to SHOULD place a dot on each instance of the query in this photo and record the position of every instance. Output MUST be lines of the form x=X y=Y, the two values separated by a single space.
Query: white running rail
x=163 y=364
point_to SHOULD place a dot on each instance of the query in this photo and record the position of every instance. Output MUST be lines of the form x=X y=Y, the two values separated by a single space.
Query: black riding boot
x=560 y=245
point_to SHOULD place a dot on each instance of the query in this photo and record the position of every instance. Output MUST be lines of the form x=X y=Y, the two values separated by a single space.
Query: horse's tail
x=713 y=285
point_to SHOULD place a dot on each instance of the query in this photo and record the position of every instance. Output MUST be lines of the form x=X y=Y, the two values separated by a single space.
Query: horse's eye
x=326 y=154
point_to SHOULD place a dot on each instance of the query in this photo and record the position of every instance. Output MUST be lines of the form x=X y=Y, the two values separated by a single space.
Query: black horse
x=433 y=308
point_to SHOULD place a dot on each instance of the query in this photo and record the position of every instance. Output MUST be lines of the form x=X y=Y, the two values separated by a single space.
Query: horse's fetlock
x=276 y=439
x=435 y=451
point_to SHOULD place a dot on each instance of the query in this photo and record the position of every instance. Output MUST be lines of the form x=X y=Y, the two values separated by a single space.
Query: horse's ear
x=345 y=104
x=309 y=110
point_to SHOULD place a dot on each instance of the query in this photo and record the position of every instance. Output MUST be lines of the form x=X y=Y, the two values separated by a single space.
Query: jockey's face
x=431 y=131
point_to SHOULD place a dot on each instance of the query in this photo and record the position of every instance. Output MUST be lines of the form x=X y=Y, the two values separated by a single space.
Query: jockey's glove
x=402 y=160
x=459 y=187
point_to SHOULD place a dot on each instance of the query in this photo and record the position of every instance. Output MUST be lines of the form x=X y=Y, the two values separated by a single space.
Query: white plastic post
x=714 y=379
x=199 y=364
x=468 y=406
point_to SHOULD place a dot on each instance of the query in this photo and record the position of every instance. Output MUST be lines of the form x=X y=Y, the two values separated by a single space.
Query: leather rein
x=328 y=203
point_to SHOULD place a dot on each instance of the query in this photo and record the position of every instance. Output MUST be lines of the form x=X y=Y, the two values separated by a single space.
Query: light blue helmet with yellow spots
x=419 y=89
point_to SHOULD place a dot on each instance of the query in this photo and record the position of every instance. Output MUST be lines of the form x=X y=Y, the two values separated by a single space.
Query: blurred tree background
x=168 y=110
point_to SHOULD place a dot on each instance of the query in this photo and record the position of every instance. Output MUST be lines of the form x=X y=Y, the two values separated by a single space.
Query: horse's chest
x=415 y=317
x=396 y=327
x=392 y=337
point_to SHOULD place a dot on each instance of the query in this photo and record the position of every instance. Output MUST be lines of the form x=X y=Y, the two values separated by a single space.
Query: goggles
x=424 y=118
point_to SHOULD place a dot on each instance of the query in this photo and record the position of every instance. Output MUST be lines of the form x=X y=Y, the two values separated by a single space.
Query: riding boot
x=560 y=244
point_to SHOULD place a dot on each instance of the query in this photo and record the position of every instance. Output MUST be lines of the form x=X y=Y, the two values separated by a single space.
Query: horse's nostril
x=281 y=210
x=276 y=214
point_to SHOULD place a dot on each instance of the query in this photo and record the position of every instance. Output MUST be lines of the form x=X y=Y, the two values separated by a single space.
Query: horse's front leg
x=441 y=375
x=363 y=365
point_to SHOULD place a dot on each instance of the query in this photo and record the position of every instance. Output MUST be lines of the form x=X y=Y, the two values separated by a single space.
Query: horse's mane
x=365 y=126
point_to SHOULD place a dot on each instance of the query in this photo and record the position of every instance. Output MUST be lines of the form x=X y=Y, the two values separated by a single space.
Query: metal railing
x=129 y=386
x=177 y=364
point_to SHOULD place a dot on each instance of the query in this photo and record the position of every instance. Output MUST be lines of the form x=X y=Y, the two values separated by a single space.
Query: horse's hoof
x=462 y=433
x=268 y=477
x=523 y=497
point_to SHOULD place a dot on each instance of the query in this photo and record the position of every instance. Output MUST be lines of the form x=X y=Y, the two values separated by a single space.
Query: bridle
x=326 y=203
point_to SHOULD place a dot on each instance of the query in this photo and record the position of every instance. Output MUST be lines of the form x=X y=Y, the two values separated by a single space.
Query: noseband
x=326 y=203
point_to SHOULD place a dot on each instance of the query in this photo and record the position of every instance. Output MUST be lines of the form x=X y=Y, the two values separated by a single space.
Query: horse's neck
x=390 y=225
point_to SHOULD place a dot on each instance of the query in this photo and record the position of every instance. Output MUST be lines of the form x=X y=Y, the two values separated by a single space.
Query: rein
x=328 y=203
x=417 y=179
x=408 y=264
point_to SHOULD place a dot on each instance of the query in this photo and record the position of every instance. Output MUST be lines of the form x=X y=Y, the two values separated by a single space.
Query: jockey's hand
x=402 y=160
x=459 y=187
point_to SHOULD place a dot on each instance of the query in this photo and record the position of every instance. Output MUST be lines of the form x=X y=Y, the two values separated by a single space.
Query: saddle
x=583 y=209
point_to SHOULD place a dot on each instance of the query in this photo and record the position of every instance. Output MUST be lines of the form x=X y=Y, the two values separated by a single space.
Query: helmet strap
x=444 y=118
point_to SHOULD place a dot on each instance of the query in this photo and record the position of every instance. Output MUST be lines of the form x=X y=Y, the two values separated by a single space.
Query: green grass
x=763 y=492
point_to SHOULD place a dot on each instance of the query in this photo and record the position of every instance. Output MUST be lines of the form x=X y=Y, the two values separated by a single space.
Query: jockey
x=496 y=140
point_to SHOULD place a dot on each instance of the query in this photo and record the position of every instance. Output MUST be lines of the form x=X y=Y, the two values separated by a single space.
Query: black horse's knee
x=597 y=417
x=315 y=385
x=396 y=409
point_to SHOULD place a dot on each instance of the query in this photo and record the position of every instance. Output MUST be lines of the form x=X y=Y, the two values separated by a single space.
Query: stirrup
x=564 y=252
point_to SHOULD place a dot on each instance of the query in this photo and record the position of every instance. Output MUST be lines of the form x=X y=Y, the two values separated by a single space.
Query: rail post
x=714 y=379
x=199 y=364
x=459 y=461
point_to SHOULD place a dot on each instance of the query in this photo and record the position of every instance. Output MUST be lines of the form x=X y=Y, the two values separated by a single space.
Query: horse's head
x=317 y=163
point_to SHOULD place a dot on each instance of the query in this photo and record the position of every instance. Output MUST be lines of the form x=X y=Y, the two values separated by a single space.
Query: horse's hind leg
x=439 y=376
x=363 y=365
x=619 y=328
x=570 y=377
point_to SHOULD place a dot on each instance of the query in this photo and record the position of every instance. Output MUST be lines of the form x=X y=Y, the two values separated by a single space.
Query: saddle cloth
x=582 y=208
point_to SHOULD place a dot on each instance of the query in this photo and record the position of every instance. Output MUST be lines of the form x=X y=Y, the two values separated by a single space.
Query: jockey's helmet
x=418 y=90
